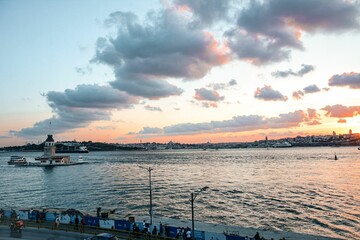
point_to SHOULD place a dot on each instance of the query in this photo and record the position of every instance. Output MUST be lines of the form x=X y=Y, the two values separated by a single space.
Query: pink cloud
x=312 y=114
x=340 y=111
x=298 y=95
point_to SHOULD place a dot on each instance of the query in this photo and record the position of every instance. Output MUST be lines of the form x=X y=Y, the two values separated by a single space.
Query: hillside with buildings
x=334 y=140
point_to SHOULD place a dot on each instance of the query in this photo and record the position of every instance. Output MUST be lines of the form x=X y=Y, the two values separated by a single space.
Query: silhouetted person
x=154 y=231
x=257 y=236
x=76 y=223
x=98 y=211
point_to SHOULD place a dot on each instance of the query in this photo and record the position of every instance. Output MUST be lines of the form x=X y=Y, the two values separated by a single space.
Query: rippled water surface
x=297 y=189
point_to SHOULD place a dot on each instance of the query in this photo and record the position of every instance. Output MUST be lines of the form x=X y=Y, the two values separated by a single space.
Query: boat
x=49 y=159
x=282 y=145
x=70 y=147
x=17 y=160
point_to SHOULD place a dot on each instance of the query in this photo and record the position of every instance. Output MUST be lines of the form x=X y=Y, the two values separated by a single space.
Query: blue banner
x=91 y=221
x=122 y=225
x=172 y=231
x=232 y=237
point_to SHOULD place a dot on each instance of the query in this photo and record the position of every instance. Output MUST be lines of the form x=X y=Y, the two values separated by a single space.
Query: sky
x=178 y=70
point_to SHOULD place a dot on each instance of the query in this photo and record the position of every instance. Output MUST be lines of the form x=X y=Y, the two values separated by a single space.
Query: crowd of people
x=161 y=230
x=183 y=233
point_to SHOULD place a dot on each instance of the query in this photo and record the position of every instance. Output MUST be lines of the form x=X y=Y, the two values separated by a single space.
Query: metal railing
x=122 y=234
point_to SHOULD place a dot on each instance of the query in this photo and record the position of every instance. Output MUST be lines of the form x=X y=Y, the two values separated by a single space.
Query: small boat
x=17 y=160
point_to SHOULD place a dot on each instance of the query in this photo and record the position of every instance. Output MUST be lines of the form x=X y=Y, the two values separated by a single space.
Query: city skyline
x=182 y=71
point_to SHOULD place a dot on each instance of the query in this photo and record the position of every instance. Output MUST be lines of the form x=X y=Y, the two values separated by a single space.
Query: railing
x=129 y=235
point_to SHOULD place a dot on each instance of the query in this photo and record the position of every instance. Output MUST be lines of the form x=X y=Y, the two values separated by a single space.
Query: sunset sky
x=183 y=70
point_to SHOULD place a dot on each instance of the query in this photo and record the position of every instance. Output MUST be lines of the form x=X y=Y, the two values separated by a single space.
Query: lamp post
x=192 y=199
x=149 y=169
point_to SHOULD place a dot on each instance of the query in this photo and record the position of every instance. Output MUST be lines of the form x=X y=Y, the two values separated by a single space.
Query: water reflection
x=298 y=189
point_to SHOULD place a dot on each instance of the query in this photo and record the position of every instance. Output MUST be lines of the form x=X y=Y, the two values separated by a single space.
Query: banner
x=109 y=224
x=122 y=225
x=91 y=221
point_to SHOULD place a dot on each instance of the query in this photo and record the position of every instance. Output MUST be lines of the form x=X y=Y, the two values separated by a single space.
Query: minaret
x=49 y=149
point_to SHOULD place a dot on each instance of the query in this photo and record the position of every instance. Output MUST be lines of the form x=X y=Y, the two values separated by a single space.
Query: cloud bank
x=240 y=123
x=78 y=108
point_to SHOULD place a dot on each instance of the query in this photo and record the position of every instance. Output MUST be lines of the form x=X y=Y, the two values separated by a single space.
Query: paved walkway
x=29 y=233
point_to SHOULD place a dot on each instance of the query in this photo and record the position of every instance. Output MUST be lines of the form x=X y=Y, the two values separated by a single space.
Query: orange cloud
x=340 y=111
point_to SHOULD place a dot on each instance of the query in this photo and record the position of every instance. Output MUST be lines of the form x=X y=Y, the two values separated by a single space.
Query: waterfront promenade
x=30 y=233
x=46 y=230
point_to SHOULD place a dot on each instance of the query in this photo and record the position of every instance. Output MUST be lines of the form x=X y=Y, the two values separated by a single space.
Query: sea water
x=303 y=190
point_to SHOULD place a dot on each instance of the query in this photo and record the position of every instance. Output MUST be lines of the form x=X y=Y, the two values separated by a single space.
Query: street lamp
x=149 y=169
x=192 y=199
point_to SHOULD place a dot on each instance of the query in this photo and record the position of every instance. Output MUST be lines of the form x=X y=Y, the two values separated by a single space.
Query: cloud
x=313 y=123
x=268 y=94
x=232 y=82
x=312 y=114
x=203 y=94
x=241 y=123
x=93 y=96
x=351 y=80
x=4 y=137
x=341 y=120
x=267 y=31
x=313 y=117
x=340 y=111
x=256 y=50
x=312 y=89
x=298 y=95
x=144 y=55
x=150 y=130
x=105 y=128
x=153 y=109
x=304 y=70
x=206 y=12
x=78 y=108
x=84 y=70
x=209 y=104
x=222 y=86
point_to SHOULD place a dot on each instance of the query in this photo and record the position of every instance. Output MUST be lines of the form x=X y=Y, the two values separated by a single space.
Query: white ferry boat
x=17 y=160
x=282 y=145
x=70 y=147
